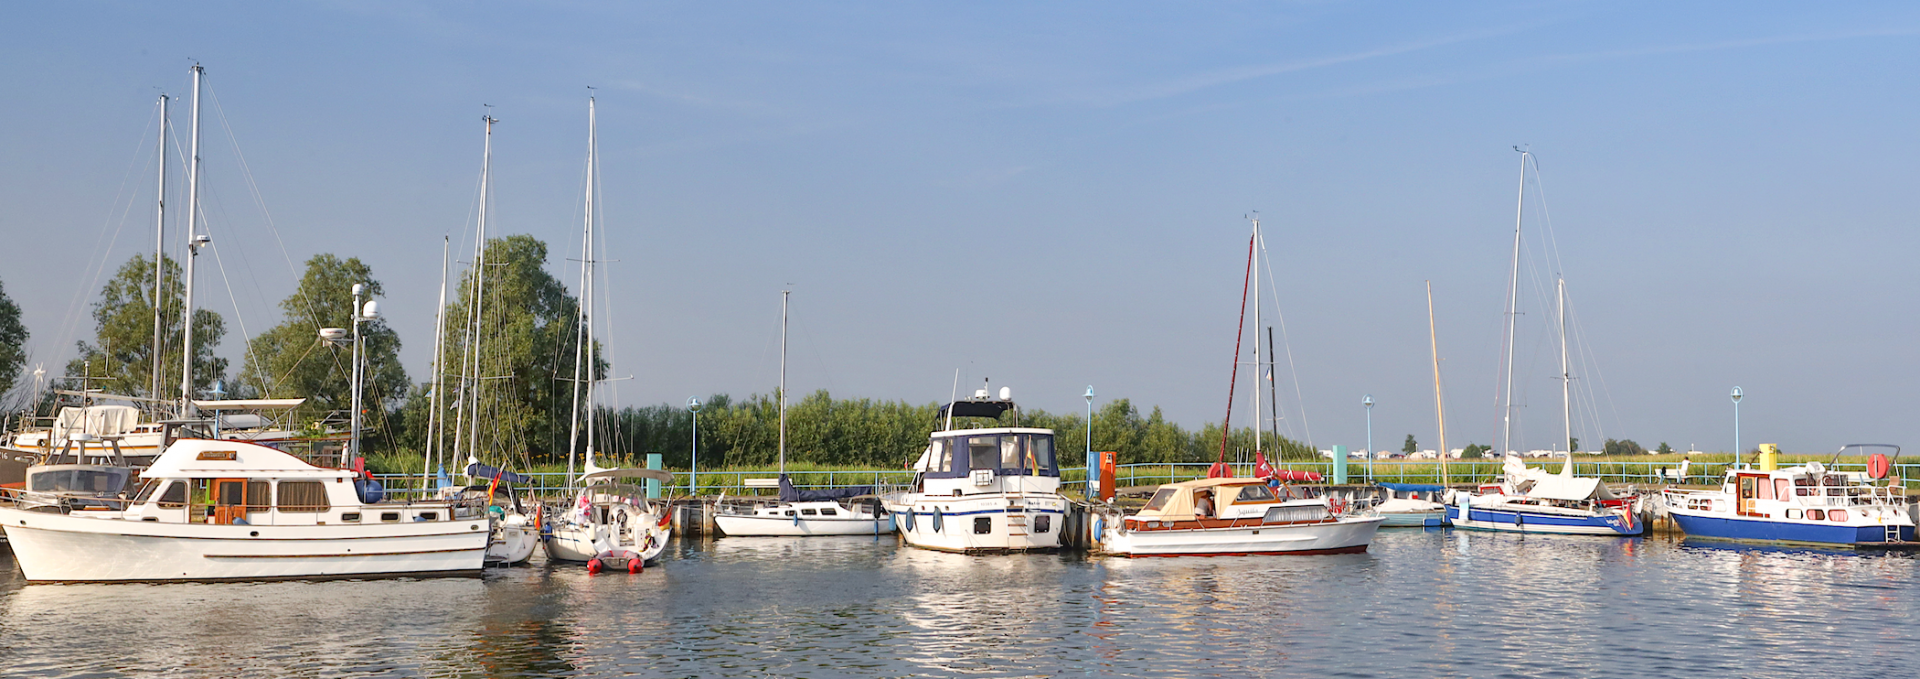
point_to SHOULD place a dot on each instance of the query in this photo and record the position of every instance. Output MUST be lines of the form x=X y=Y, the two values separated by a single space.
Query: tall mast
x=1566 y=378
x=193 y=251
x=1257 y=365
x=593 y=176
x=436 y=418
x=1439 y=409
x=783 y=380
x=159 y=250
x=474 y=315
x=1273 y=390
x=581 y=336
x=1513 y=300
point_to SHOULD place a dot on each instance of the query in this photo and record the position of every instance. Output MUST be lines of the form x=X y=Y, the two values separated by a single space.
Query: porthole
x=982 y=525
x=1042 y=524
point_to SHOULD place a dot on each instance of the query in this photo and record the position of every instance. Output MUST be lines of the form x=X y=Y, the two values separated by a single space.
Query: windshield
x=96 y=481
x=1159 y=501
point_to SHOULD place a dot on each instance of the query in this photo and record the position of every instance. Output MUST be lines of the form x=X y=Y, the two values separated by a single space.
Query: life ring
x=1337 y=505
x=1878 y=465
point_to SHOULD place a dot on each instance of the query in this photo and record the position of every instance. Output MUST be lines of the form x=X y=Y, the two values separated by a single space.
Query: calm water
x=1421 y=604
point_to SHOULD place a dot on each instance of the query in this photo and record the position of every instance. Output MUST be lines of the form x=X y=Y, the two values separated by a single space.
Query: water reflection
x=1426 y=603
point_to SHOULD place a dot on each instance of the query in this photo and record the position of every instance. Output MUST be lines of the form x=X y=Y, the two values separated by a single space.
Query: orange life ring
x=1338 y=505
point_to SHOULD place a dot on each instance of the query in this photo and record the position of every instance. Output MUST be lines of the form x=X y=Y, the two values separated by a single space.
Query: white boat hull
x=1347 y=535
x=787 y=526
x=580 y=543
x=64 y=548
x=988 y=522
x=513 y=541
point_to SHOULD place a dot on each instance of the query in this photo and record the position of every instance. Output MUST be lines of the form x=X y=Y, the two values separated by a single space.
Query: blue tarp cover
x=1413 y=487
x=481 y=471
x=788 y=493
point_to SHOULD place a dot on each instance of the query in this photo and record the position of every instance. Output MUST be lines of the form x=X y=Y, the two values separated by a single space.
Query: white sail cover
x=1562 y=486
x=102 y=420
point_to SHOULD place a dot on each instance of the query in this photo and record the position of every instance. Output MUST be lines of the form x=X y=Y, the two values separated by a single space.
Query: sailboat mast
x=1566 y=377
x=593 y=170
x=1439 y=409
x=474 y=315
x=1513 y=300
x=1257 y=365
x=1273 y=390
x=193 y=251
x=580 y=330
x=159 y=250
x=783 y=380
x=437 y=420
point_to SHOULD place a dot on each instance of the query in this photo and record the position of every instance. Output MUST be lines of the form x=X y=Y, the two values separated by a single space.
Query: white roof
x=206 y=458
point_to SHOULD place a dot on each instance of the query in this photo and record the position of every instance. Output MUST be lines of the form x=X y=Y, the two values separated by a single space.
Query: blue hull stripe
x=991 y=511
x=1784 y=531
x=1522 y=521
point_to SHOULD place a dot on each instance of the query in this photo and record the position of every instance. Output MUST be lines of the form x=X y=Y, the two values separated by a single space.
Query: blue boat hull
x=1765 y=530
x=1526 y=522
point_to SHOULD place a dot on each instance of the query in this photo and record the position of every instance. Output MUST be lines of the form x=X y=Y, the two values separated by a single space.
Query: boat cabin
x=231 y=482
x=973 y=461
x=1221 y=502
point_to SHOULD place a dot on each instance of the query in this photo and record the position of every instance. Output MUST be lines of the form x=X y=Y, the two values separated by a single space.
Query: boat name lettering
x=226 y=455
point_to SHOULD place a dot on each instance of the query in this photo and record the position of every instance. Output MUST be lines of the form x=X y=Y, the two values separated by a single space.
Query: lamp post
x=1093 y=471
x=1736 y=423
x=1367 y=401
x=693 y=475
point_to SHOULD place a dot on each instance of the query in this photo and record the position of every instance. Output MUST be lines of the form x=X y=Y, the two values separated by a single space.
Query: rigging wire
x=70 y=322
x=1292 y=370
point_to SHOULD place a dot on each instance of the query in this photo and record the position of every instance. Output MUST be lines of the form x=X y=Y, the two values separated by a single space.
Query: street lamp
x=1736 y=423
x=1367 y=401
x=1093 y=473
x=693 y=475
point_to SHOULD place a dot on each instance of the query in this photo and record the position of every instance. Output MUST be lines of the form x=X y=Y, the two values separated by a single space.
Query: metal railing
x=733 y=483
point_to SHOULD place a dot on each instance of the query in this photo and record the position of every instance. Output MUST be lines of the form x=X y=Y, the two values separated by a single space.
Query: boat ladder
x=1893 y=533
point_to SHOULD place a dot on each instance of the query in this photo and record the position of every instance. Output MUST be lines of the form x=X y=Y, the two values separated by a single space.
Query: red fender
x=636 y=565
x=593 y=566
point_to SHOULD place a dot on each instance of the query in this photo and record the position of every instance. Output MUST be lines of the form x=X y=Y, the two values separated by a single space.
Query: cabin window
x=1780 y=489
x=789 y=512
x=429 y=516
x=303 y=496
x=1793 y=514
x=174 y=497
x=1041 y=446
x=942 y=456
x=829 y=512
x=389 y=517
x=982 y=525
x=983 y=452
x=350 y=516
x=1817 y=514
x=1766 y=490
x=809 y=512
x=146 y=491
x=1042 y=523
x=1011 y=456
x=1160 y=499
x=1295 y=514
x=1837 y=516
x=1255 y=493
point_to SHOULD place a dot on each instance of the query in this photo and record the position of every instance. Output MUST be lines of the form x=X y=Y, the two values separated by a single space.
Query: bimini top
x=975 y=408
x=189 y=458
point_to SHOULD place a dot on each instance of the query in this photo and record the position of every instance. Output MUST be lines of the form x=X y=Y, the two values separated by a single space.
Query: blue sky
x=1052 y=195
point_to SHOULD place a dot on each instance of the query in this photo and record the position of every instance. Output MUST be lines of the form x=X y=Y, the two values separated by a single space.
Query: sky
x=1050 y=195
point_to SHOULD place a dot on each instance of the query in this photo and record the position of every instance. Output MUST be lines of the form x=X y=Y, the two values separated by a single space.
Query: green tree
x=525 y=364
x=1410 y=447
x=291 y=361
x=1624 y=447
x=1475 y=451
x=123 y=335
x=1665 y=449
x=13 y=342
x=1573 y=443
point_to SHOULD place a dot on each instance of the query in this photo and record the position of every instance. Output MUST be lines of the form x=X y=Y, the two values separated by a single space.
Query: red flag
x=1260 y=468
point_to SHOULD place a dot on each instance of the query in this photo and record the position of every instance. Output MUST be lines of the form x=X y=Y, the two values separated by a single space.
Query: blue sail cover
x=481 y=471
x=788 y=493
x=1413 y=487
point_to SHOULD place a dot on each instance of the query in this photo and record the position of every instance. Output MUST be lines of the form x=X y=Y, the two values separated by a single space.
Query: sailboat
x=611 y=523
x=1530 y=500
x=801 y=512
x=1223 y=515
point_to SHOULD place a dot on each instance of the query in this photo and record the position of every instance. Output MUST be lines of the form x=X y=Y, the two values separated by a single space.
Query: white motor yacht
x=228 y=510
x=800 y=512
x=983 y=490
x=1235 y=517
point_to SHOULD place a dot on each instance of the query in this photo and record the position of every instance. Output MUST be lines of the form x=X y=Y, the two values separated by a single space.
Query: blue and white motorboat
x=985 y=490
x=1530 y=500
x=1809 y=503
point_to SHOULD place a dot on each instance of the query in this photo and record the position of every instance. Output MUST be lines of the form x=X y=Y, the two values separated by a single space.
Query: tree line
x=508 y=353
